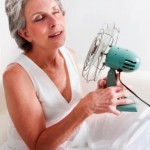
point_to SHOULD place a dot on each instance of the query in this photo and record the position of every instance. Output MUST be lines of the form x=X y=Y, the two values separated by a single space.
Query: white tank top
x=53 y=103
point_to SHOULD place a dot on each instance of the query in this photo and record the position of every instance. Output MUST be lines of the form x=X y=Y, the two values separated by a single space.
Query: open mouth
x=55 y=34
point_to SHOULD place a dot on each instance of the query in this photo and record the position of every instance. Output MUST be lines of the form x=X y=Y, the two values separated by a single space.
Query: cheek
x=36 y=31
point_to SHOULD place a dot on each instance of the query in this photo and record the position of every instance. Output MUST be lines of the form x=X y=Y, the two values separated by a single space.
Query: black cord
x=132 y=91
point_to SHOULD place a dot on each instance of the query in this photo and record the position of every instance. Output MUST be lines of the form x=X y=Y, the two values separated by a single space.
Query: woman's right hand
x=105 y=100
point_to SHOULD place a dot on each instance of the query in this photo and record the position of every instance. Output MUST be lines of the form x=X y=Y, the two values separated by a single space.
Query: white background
x=84 y=18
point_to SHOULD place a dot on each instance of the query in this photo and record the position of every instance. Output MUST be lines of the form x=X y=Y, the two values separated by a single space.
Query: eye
x=56 y=11
x=38 y=18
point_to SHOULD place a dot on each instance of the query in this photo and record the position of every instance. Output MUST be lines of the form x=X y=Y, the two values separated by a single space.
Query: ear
x=24 y=34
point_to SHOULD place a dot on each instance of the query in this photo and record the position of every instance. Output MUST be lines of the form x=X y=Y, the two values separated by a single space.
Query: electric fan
x=104 y=52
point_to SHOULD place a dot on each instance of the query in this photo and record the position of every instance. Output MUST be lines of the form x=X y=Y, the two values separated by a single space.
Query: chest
x=60 y=78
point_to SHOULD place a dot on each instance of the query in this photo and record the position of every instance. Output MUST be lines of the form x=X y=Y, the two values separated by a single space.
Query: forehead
x=33 y=6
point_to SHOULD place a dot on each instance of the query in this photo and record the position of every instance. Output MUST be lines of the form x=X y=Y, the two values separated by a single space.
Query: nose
x=53 y=21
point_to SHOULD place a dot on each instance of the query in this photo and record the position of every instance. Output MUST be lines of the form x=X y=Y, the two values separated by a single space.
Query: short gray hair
x=14 y=10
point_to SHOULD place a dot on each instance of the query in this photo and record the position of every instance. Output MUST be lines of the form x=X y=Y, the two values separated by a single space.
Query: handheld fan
x=104 y=52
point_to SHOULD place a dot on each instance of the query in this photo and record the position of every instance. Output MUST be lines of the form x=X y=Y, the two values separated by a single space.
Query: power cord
x=131 y=90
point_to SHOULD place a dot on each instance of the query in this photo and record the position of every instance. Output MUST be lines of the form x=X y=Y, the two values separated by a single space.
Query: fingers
x=115 y=92
x=111 y=106
x=107 y=95
x=107 y=99
x=107 y=109
x=101 y=83
x=125 y=101
x=114 y=96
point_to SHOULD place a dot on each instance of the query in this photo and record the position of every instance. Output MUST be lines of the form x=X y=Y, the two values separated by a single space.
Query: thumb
x=101 y=83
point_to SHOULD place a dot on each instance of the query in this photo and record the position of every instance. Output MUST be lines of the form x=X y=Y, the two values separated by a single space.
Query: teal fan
x=104 y=52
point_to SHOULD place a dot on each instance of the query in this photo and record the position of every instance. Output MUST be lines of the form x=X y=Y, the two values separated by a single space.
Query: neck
x=46 y=59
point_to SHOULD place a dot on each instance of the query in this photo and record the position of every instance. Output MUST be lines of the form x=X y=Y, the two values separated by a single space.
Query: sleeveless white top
x=53 y=103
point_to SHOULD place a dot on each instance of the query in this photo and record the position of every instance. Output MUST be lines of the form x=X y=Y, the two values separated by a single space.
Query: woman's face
x=45 y=27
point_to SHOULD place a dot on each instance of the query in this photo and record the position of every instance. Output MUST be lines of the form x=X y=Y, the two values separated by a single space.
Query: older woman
x=42 y=86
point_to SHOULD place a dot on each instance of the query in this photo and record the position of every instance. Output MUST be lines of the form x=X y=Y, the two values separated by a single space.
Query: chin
x=60 y=42
x=57 y=45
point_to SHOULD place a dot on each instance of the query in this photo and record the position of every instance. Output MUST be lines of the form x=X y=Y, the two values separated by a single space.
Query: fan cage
x=94 y=62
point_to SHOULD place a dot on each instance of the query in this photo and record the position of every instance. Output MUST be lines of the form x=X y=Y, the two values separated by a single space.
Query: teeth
x=55 y=34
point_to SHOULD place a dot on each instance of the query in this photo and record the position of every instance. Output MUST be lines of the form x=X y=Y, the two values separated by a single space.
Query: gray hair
x=14 y=10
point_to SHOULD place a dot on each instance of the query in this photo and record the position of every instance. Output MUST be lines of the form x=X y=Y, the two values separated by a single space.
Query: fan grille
x=94 y=62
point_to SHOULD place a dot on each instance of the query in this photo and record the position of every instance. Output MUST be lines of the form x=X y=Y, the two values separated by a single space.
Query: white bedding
x=129 y=131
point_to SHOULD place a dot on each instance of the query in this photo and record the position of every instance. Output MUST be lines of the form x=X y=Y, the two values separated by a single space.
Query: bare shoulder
x=14 y=72
x=13 y=69
x=15 y=75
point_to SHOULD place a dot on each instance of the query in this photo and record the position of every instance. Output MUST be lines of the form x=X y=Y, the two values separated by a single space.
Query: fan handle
x=111 y=81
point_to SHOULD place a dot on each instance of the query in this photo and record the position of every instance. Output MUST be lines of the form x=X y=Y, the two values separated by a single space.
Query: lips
x=55 y=34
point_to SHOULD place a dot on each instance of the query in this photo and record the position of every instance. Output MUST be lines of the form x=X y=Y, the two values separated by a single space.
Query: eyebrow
x=40 y=12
